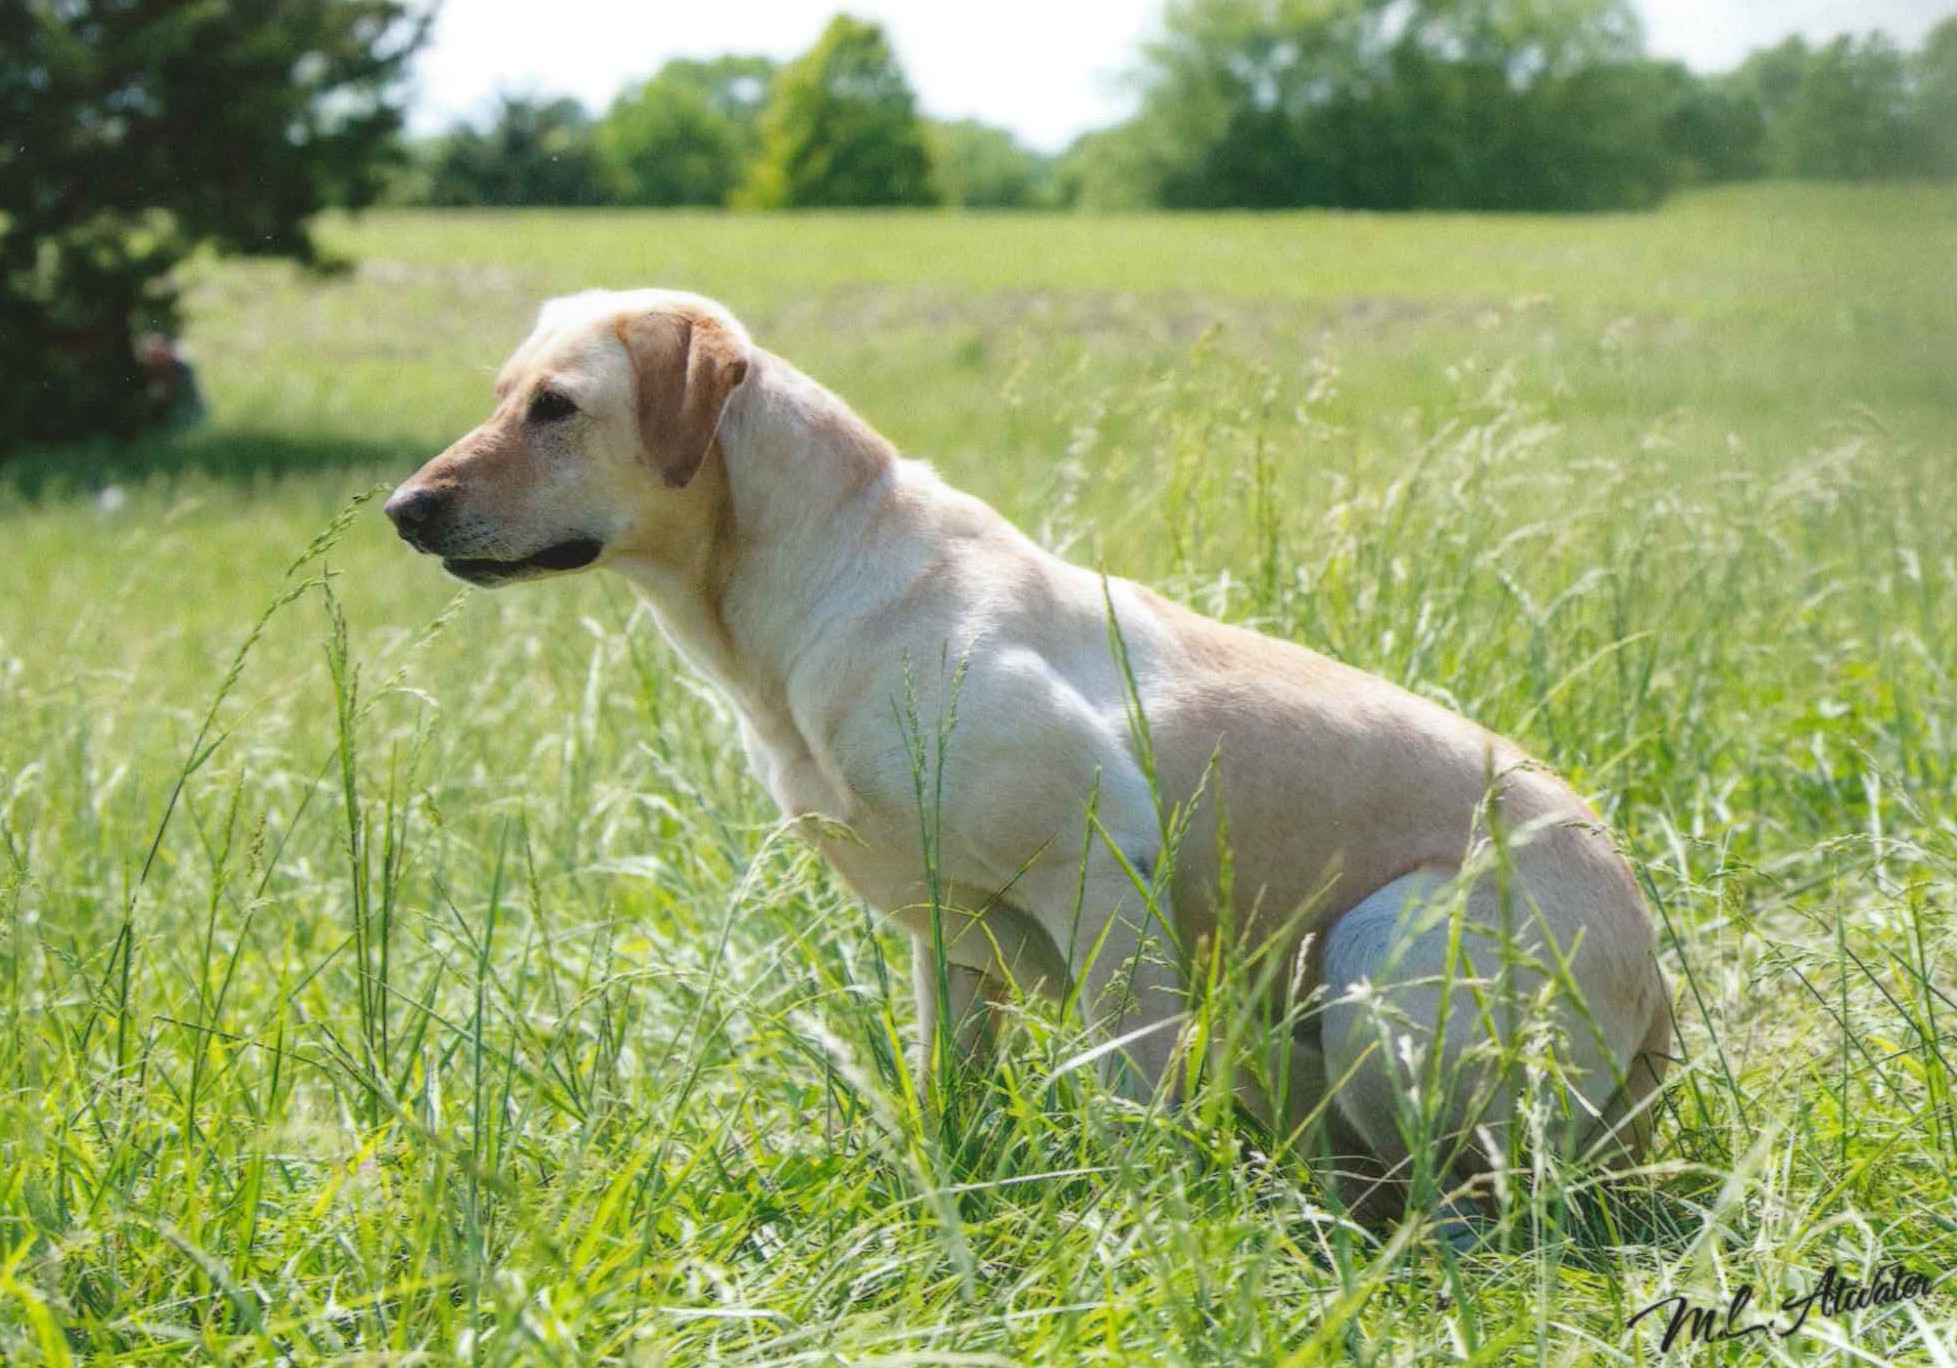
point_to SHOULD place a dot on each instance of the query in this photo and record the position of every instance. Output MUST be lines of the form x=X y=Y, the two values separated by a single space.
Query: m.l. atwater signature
x=1833 y=1296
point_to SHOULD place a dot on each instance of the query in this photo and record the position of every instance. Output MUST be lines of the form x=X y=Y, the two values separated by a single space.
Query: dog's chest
x=792 y=777
x=877 y=857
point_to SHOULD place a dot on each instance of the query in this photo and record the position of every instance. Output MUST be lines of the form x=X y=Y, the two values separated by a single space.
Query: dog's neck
x=785 y=508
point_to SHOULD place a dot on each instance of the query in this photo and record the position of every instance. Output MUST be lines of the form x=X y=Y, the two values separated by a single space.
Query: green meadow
x=392 y=972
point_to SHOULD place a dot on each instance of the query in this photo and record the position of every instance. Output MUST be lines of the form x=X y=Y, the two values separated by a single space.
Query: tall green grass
x=395 y=974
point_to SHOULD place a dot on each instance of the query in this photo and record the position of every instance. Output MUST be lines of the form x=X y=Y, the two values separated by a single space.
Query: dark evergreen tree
x=136 y=130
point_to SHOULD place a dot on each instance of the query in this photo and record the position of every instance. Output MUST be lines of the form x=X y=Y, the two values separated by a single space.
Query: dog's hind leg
x=1388 y=963
x=1622 y=1135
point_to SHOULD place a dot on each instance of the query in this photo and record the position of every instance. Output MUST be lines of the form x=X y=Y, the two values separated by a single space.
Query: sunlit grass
x=475 y=1007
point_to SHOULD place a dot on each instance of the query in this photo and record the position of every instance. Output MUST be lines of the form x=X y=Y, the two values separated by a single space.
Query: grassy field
x=392 y=974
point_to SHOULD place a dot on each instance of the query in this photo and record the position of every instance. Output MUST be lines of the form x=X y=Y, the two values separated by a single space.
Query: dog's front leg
x=953 y=1003
x=1121 y=960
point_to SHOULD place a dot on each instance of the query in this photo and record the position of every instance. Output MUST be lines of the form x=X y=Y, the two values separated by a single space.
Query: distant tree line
x=839 y=126
x=138 y=133
x=1497 y=104
x=1379 y=104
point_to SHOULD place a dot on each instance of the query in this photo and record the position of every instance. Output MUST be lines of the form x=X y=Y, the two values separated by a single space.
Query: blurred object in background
x=171 y=397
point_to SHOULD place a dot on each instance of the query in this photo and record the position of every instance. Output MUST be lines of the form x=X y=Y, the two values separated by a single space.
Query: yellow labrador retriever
x=801 y=565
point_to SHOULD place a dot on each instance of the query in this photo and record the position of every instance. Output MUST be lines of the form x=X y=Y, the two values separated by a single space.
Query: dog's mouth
x=574 y=554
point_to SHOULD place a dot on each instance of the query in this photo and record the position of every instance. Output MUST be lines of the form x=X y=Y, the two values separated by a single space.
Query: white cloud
x=1713 y=35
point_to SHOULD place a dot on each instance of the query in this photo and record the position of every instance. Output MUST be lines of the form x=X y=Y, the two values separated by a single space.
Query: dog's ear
x=684 y=367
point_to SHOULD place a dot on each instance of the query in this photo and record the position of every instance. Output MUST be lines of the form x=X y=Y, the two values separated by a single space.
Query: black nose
x=414 y=511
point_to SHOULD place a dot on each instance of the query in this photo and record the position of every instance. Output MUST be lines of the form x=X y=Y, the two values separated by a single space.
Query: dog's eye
x=549 y=407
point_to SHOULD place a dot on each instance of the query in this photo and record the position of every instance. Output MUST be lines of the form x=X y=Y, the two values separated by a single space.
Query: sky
x=1046 y=69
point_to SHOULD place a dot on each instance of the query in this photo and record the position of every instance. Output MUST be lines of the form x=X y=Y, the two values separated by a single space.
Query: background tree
x=1936 y=87
x=841 y=129
x=533 y=151
x=977 y=166
x=1714 y=128
x=135 y=132
x=1111 y=169
x=687 y=135
x=1843 y=111
x=1495 y=104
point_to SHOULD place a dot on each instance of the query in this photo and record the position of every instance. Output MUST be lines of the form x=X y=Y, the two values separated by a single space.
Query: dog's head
x=603 y=418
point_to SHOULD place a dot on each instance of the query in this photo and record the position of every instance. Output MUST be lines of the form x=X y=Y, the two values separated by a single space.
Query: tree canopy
x=1496 y=104
x=841 y=129
x=1936 y=77
x=977 y=166
x=531 y=151
x=1388 y=104
x=136 y=132
x=685 y=136
x=1841 y=111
